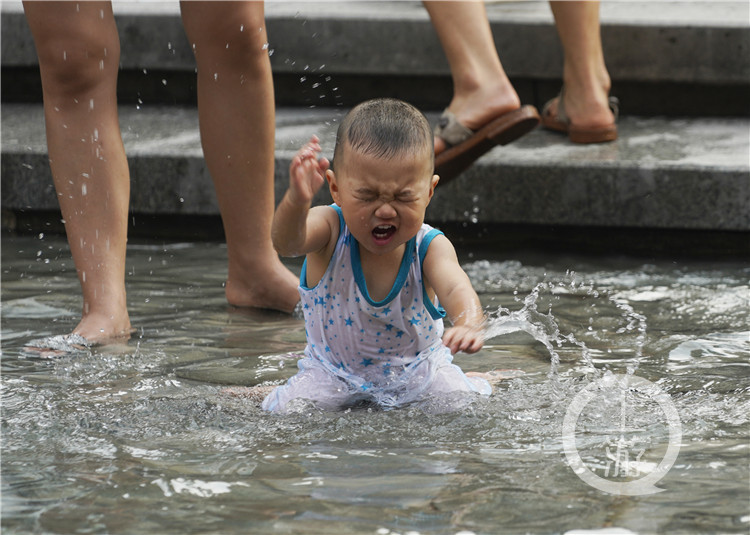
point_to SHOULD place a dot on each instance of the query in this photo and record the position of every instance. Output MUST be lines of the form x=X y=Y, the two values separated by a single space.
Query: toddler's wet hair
x=385 y=128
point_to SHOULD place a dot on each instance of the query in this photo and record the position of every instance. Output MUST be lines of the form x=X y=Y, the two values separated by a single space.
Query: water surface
x=142 y=437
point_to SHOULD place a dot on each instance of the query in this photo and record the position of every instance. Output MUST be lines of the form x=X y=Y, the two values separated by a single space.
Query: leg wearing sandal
x=482 y=92
x=583 y=109
x=465 y=146
x=481 y=89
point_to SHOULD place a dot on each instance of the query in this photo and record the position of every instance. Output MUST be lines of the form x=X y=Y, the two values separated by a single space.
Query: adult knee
x=74 y=65
x=234 y=43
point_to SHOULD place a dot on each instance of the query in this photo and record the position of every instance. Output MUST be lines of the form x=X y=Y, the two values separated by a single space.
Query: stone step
x=680 y=57
x=679 y=174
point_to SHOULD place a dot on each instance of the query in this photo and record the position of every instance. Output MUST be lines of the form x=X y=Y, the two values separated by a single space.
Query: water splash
x=118 y=424
x=545 y=328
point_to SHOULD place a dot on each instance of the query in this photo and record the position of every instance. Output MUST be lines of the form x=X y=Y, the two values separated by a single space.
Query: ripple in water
x=143 y=437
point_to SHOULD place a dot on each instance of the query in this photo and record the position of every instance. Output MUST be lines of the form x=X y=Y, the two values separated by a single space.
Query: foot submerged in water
x=496 y=376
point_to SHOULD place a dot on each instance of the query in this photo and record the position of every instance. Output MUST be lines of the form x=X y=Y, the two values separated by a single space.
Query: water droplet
x=242 y=27
x=163 y=81
x=84 y=191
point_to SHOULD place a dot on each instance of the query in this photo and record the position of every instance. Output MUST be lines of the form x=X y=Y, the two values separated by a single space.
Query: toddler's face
x=383 y=201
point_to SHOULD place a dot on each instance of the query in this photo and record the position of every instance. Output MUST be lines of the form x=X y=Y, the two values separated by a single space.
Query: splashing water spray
x=625 y=388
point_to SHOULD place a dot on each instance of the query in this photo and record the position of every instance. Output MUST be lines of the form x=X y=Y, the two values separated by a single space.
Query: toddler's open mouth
x=383 y=233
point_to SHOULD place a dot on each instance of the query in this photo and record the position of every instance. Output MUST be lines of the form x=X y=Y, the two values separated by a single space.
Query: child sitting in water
x=373 y=269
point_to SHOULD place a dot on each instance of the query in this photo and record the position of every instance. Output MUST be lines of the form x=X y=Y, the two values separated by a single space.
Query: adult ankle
x=102 y=328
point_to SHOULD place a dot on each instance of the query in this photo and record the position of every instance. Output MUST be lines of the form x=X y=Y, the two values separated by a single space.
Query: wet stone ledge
x=688 y=174
x=673 y=58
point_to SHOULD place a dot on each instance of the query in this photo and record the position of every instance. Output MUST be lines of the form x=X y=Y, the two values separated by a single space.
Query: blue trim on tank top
x=303 y=273
x=403 y=271
x=435 y=312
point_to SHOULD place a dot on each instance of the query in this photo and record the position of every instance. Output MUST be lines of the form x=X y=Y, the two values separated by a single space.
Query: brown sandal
x=465 y=146
x=560 y=122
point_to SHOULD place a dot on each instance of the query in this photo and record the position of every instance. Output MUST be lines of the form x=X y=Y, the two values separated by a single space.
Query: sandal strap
x=614 y=105
x=450 y=130
x=561 y=115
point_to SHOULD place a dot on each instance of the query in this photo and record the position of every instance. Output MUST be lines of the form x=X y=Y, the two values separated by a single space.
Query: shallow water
x=144 y=438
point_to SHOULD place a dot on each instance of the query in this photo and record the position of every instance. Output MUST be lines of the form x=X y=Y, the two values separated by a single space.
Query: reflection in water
x=142 y=437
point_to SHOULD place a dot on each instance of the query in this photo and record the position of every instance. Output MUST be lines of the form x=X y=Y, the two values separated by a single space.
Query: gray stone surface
x=696 y=42
x=661 y=173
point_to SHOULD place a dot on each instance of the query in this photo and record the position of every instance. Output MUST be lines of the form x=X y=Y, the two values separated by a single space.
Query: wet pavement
x=660 y=173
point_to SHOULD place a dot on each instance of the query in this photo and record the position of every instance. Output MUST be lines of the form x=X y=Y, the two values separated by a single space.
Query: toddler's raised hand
x=307 y=172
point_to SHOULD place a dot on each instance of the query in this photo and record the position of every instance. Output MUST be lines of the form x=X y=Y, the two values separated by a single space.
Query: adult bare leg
x=79 y=55
x=587 y=82
x=237 y=123
x=481 y=88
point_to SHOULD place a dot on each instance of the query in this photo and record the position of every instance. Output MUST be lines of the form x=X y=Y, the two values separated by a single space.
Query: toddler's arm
x=455 y=293
x=297 y=229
